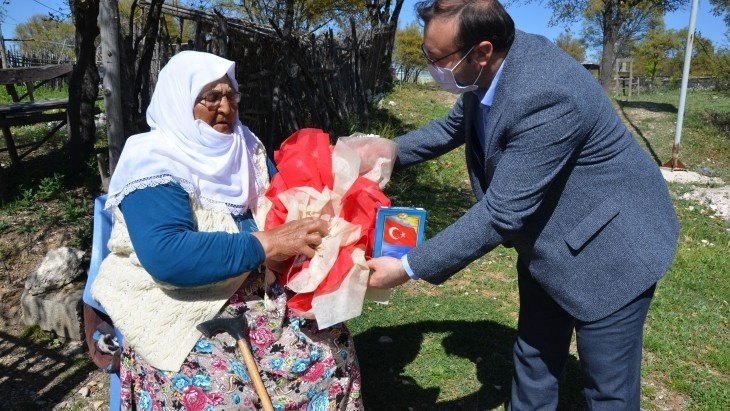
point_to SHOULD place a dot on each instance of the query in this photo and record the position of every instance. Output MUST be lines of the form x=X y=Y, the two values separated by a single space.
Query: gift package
x=344 y=184
x=397 y=230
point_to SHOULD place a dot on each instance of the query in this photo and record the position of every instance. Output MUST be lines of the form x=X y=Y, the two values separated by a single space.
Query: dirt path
x=47 y=374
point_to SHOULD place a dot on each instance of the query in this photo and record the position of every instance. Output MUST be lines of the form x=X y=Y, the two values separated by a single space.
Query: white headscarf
x=214 y=168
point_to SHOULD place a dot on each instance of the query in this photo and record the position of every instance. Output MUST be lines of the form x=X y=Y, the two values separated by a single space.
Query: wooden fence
x=290 y=81
x=17 y=59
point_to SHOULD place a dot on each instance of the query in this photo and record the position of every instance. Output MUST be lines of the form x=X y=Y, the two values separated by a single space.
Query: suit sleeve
x=434 y=139
x=540 y=143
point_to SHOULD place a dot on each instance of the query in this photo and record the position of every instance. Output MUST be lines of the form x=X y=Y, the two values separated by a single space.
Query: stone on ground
x=57 y=310
x=687 y=177
x=59 y=267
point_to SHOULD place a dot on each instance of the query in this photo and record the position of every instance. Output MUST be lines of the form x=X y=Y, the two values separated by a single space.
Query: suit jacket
x=560 y=178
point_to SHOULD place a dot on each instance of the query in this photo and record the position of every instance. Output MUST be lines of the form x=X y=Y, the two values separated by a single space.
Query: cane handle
x=253 y=372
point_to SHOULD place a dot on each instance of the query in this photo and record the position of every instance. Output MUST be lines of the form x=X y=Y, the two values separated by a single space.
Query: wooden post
x=9 y=143
x=109 y=24
x=199 y=36
x=6 y=64
x=631 y=75
x=3 y=54
x=31 y=89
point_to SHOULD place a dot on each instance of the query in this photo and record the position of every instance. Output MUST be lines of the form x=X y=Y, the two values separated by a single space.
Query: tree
x=50 y=36
x=137 y=48
x=571 y=45
x=638 y=23
x=656 y=48
x=704 y=60
x=612 y=18
x=83 y=86
x=287 y=15
x=408 y=55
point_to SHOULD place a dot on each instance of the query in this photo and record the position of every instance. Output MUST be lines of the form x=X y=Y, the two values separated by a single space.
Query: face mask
x=446 y=79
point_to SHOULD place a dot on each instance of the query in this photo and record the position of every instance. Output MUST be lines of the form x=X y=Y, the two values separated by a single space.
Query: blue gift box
x=397 y=230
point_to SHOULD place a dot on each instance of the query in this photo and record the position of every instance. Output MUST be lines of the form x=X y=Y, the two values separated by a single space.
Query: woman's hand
x=293 y=238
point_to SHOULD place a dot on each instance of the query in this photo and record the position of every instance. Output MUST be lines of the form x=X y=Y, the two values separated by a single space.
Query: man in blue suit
x=558 y=177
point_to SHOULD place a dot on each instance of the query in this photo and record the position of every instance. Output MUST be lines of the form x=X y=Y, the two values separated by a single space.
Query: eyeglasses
x=212 y=98
x=434 y=61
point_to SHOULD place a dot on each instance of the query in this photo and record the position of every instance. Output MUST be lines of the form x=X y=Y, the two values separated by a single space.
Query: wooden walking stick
x=236 y=328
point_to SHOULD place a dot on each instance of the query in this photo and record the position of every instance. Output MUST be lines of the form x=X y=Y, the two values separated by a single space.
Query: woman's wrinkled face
x=217 y=104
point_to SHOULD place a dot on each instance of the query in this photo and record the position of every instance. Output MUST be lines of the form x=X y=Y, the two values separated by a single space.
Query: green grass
x=688 y=330
x=451 y=344
x=705 y=145
x=41 y=93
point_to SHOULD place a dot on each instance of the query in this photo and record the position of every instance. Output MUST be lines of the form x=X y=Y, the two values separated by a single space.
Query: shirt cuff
x=407 y=267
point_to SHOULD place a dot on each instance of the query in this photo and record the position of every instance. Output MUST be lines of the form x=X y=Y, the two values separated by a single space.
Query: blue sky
x=534 y=18
x=531 y=18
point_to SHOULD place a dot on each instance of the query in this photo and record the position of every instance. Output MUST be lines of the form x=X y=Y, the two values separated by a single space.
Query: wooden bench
x=21 y=113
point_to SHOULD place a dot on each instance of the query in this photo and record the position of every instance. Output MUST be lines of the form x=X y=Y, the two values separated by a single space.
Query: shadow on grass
x=721 y=120
x=35 y=377
x=487 y=344
x=649 y=106
x=646 y=105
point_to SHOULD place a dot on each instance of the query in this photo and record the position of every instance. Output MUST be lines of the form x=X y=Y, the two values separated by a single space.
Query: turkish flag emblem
x=398 y=234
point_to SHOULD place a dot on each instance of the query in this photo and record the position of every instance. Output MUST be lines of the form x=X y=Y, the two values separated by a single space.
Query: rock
x=97 y=404
x=717 y=200
x=58 y=310
x=84 y=392
x=687 y=177
x=59 y=267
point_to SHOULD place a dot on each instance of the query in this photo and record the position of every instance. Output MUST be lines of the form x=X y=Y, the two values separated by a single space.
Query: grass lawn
x=705 y=146
x=449 y=346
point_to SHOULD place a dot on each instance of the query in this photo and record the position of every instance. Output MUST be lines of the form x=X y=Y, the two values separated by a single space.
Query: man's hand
x=386 y=272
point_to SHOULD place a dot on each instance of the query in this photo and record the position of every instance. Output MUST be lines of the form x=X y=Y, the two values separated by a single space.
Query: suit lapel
x=495 y=112
x=487 y=159
x=473 y=151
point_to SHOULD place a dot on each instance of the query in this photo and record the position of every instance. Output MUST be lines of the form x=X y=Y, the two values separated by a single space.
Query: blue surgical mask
x=446 y=79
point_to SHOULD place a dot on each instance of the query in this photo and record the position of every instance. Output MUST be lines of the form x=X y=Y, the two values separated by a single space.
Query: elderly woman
x=185 y=249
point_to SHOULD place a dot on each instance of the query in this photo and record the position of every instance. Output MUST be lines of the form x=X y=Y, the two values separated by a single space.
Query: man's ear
x=484 y=50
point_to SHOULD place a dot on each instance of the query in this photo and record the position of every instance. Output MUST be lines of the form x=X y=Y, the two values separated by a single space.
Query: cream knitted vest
x=158 y=320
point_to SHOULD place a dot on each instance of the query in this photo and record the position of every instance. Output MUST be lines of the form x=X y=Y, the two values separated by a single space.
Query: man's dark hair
x=478 y=20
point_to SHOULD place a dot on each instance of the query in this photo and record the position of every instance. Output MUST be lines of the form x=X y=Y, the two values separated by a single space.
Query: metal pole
x=674 y=163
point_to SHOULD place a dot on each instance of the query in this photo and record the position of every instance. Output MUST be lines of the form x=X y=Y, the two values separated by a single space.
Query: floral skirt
x=302 y=367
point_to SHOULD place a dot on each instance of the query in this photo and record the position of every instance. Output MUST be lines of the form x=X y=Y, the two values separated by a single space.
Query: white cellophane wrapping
x=358 y=155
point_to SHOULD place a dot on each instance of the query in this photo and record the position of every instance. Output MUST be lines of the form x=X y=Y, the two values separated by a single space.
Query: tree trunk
x=142 y=82
x=109 y=23
x=83 y=85
x=136 y=70
x=607 y=61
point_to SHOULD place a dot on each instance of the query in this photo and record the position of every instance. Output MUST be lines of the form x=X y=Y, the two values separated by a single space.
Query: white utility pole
x=674 y=163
